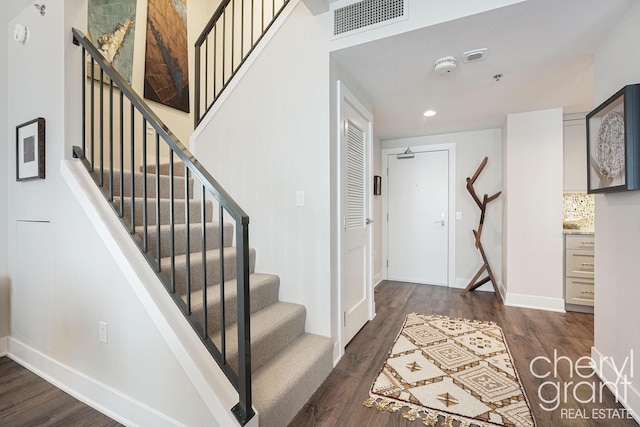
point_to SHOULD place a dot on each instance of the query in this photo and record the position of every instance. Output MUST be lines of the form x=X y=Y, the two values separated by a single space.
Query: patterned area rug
x=442 y=370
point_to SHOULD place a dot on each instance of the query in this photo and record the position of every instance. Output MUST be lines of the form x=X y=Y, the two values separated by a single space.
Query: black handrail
x=219 y=60
x=193 y=170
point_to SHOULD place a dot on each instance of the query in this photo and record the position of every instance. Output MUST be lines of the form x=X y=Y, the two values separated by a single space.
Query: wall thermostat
x=21 y=34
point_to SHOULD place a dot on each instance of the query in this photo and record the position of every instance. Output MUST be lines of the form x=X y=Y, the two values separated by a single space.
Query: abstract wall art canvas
x=112 y=30
x=166 y=76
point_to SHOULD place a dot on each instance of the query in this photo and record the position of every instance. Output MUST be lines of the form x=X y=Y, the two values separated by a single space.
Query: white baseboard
x=337 y=353
x=377 y=279
x=4 y=346
x=535 y=302
x=605 y=370
x=101 y=397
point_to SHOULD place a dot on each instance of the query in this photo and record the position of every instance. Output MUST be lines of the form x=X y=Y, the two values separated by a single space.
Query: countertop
x=576 y=231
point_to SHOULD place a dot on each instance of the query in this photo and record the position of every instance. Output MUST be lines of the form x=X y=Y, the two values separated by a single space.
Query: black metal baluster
x=93 y=113
x=158 y=242
x=84 y=102
x=253 y=18
x=205 y=330
x=133 y=168
x=187 y=237
x=224 y=44
x=223 y=334
x=172 y=235
x=242 y=32
x=243 y=409
x=196 y=101
x=121 y=155
x=101 y=179
x=110 y=140
x=145 y=213
x=215 y=62
x=206 y=71
x=233 y=35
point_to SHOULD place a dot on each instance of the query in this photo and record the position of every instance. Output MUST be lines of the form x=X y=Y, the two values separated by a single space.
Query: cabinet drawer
x=579 y=263
x=580 y=241
x=580 y=291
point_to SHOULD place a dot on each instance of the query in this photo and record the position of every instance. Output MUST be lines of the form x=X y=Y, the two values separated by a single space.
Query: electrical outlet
x=299 y=198
x=103 y=332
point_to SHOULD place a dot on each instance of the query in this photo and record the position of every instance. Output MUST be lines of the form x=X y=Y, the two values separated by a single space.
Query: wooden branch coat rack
x=475 y=283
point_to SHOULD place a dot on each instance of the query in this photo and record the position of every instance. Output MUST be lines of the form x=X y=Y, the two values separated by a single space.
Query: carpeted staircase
x=288 y=364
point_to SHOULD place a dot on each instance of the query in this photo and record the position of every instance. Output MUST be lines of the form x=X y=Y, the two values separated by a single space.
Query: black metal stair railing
x=116 y=124
x=231 y=35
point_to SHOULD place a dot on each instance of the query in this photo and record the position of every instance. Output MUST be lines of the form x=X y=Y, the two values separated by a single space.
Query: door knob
x=369 y=221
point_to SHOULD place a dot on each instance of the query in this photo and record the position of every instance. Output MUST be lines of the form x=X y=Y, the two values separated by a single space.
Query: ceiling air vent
x=367 y=13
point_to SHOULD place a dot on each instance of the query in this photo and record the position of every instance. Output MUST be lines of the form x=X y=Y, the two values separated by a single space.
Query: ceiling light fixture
x=429 y=113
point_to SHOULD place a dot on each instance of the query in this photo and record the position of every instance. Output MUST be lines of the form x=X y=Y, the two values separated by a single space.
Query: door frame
x=343 y=93
x=450 y=148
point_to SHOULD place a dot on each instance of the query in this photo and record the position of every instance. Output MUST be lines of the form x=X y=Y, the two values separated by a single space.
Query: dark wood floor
x=28 y=400
x=529 y=333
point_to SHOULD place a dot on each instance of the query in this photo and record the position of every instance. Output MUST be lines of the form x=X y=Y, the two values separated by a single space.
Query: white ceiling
x=543 y=49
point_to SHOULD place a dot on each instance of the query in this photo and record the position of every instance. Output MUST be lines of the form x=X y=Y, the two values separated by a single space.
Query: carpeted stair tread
x=178 y=168
x=178 y=209
x=285 y=383
x=195 y=237
x=272 y=328
x=178 y=184
x=212 y=267
x=264 y=289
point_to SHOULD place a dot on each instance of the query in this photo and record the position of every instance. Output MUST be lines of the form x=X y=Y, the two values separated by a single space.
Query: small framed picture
x=30 y=150
x=613 y=143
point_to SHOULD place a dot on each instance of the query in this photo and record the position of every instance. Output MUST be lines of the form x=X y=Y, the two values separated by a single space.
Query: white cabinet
x=579 y=272
x=574 y=153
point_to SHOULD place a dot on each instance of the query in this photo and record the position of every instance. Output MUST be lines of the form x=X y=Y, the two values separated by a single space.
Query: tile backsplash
x=579 y=206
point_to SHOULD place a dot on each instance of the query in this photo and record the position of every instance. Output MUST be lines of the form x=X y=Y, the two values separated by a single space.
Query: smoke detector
x=445 y=65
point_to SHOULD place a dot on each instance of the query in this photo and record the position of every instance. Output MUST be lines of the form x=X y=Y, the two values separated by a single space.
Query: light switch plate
x=299 y=198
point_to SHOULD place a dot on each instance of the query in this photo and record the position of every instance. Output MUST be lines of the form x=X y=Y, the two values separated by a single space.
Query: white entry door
x=355 y=263
x=418 y=221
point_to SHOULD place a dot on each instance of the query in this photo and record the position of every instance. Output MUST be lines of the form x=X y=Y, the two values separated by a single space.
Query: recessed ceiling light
x=429 y=113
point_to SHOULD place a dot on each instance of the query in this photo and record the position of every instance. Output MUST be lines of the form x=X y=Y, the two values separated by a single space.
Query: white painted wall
x=533 y=216
x=269 y=139
x=471 y=148
x=64 y=279
x=4 y=176
x=617 y=225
